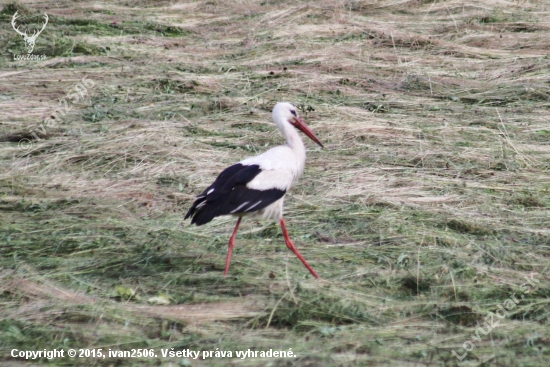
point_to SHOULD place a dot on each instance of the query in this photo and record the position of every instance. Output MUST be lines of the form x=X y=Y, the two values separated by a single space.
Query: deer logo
x=29 y=40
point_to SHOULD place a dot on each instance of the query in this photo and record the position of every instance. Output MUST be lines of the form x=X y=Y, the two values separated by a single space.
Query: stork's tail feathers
x=198 y=216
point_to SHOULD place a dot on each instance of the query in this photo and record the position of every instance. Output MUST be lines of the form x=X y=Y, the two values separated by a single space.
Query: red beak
x=300 y=124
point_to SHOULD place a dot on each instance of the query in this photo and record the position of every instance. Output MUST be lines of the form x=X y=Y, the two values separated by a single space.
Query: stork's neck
x=294 y=142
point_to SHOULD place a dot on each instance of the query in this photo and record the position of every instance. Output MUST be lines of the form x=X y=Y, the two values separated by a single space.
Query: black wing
x=229 y=195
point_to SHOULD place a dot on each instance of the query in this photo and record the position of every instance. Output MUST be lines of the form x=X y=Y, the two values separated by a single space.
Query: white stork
x=257 y=186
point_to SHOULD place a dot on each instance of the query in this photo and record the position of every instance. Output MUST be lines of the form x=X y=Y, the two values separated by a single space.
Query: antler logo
x=29 y=40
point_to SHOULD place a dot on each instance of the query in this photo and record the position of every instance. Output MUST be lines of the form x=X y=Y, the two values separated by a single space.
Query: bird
x=256 y=187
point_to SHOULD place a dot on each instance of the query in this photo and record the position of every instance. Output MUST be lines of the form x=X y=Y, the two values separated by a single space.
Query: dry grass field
x=423 y=215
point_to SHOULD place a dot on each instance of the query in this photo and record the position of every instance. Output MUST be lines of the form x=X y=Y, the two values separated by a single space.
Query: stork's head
x=285 y=113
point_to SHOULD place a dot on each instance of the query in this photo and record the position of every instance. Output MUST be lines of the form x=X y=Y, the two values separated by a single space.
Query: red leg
x=230 y=248
x=293 y=248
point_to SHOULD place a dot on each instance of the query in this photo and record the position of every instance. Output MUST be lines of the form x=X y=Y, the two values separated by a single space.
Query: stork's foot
x=293 y=248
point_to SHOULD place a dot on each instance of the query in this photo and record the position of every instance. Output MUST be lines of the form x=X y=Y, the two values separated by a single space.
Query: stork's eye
x=293 y=112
